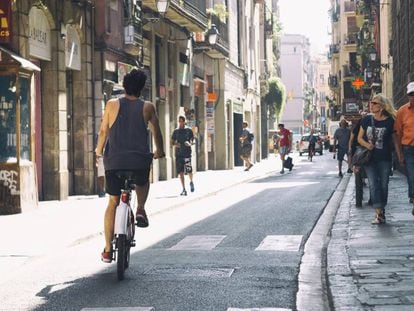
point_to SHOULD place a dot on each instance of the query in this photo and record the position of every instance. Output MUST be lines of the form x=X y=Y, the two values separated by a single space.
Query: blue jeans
x=408 y=152
x=378 y=173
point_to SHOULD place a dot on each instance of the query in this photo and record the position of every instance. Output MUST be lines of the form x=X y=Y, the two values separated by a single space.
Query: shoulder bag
x=362 y=155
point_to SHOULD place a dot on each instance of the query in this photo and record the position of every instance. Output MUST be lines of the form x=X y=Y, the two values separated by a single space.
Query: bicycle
x=311 y=151
x=124 y=226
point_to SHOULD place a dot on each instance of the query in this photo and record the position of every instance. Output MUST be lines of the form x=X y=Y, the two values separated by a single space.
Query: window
x=24 y=119
x=7 y=119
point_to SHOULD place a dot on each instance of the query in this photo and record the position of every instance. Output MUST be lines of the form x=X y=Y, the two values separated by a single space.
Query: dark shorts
x=183 y=165
x=114 y=184
x=246 y=150
x=341 y=153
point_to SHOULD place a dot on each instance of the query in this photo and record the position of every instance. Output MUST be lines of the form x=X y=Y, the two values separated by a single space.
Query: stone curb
x=312 y=288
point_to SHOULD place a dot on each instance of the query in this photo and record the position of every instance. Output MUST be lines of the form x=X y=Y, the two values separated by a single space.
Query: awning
x=22 y=61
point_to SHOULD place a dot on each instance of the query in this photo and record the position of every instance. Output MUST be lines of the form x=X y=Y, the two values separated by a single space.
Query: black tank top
x=127 y=147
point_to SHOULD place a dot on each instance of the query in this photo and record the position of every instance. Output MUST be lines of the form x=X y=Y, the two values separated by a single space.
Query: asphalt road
x=240 y=248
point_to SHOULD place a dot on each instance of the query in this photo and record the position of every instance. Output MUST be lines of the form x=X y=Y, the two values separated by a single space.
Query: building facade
x=79 y=52
x=295 y=72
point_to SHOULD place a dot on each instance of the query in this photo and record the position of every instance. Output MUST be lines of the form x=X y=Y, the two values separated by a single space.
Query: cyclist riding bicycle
x=125 y=128
x=312 y=143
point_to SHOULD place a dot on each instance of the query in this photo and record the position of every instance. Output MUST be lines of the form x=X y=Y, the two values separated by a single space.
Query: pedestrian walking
x=182 y=138
x=285 y=144
x=246 y=139
x=124 y=130
x=341 y=144
x=404 y=128
x=377 y=134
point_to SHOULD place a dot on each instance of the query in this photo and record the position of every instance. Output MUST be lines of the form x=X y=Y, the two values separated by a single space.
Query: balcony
x=333 y=82
x=349 y=8
x=350 y=42
x=222 y=48
x=334 y=49
x=189 y=14
x=133 y=30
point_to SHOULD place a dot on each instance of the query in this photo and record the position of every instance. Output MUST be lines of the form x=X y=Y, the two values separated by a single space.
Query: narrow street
x=240 y=248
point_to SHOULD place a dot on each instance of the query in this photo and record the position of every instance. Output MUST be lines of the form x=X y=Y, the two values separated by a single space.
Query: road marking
x=306 y=173
x=198 y=242
x=119 y=309
x=286 y=243
x=258 y=309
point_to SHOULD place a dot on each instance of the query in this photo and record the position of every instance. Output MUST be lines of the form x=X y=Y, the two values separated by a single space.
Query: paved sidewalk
x=371 y=267
x=58 y=224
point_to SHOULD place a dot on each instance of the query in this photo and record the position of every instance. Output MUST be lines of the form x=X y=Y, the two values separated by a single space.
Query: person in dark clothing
x=124 y=132
x=182 y=139
x=376 y=133
x=246 y=146
x=359 y=171
x=341 y=139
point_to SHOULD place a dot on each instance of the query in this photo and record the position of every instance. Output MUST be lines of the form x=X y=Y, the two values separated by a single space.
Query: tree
x=275 y=99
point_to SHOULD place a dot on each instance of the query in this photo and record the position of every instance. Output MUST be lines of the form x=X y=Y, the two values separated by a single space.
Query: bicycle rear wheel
x=123 y=253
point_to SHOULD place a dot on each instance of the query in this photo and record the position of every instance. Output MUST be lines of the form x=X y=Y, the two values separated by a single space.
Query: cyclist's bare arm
x=111 y=111
x=151 y=118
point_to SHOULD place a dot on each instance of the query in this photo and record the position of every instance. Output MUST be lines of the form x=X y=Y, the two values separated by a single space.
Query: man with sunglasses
x=404 y=128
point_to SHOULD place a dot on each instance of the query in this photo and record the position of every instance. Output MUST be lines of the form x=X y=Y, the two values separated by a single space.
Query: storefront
x=18 y=187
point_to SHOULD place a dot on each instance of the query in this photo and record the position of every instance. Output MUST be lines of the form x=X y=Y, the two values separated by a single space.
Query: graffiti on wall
x=9 y=179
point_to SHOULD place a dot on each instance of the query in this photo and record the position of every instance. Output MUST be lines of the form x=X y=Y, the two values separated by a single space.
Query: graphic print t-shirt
x=181 y=136
x=383 y=137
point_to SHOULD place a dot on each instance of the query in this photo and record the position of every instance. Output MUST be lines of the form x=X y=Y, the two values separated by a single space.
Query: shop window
x=7 y=119
x=24 y=119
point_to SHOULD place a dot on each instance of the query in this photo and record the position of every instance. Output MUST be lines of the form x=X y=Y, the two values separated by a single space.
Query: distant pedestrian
x=404 y=127
x=246 y=139
x=377 y=134
x=341 y=142
x=285 y=144
x=182 y=139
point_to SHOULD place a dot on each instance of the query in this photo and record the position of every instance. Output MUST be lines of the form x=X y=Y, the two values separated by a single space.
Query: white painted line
x=119 y=309
x=259 y=309
x=198 y=242
x=306 y=173
x=332 y=173
x=286 y=243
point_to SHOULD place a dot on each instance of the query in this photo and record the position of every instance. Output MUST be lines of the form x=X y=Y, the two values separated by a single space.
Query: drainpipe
x=92 y=7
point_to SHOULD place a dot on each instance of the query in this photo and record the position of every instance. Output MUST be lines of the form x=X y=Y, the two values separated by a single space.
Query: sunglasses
x=411 y=94
x=375 y=103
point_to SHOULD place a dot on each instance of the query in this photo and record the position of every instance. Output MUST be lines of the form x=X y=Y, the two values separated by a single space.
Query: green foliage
x=220 y=10
x=276 y=97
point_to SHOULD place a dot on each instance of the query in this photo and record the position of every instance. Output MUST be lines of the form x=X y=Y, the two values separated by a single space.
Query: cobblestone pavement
x=371 y=267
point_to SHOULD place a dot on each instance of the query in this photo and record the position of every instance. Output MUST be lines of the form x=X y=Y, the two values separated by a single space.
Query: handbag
x=363 y=155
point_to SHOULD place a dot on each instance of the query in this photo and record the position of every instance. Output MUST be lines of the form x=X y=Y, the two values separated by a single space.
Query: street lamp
x=162 y=6
x=212 y=34
x=372 y=54
x=368 y=73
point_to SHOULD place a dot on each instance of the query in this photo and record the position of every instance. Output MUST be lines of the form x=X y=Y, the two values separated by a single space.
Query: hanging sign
x=39 y=40
x=72 y=49
x=5 y=21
